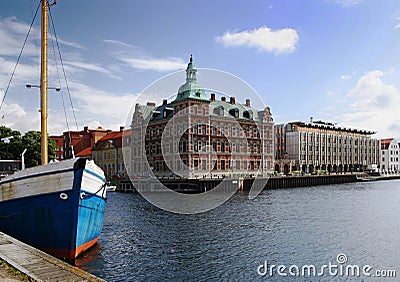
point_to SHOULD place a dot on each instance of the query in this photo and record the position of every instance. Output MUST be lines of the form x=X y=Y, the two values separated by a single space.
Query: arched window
x=234 y=112
x=248 y=114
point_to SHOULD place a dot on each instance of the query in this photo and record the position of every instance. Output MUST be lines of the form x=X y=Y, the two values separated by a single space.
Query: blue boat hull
x=63 y=223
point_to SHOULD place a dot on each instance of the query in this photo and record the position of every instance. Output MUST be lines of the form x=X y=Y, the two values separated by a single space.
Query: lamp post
x=23 y=159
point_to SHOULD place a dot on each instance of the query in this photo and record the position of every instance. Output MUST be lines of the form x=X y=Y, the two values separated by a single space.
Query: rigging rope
x=19 y=57
x=59 y=83
x=66 y=83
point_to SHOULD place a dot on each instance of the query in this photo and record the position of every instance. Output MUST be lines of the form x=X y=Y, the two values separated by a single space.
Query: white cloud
x=374 y=105
x=161 y=65
x=136 y=58
x=17 y=118
x=345 y=76
x=20 y=109
x=93 y=108
x=346 y=3
x=13 y=33
x=89 y=66
x=397 y=19
x=92 y=102
x=117 y=42
x=263 y=38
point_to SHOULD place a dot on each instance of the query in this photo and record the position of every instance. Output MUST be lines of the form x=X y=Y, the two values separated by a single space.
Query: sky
x=333 y=60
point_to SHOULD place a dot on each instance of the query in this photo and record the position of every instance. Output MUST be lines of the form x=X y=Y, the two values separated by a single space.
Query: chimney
x=223 y=99
x=247 y=102
x=121 y=128
x=151 y=104
x=86 y=129
x=233 y=101
x=165 y=101
x=212 y=96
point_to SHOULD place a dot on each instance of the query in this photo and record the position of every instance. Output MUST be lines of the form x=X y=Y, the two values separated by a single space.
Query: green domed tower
x=191 y=89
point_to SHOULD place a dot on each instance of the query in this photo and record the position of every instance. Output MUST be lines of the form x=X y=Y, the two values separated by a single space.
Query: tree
x=12 y=150
x=32 y=142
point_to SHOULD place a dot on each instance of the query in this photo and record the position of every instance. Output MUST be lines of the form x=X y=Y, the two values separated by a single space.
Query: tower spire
x=191 y=71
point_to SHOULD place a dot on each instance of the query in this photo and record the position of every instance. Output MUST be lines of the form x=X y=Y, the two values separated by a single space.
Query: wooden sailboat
x=56 y=207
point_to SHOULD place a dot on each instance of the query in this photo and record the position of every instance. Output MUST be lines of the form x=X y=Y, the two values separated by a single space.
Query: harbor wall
x=276 y=182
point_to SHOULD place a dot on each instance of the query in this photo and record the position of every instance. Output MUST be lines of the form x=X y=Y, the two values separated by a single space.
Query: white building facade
x=324 y=146
x=389 y=155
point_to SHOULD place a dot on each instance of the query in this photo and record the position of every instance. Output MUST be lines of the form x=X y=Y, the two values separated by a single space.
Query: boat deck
x=38 y=265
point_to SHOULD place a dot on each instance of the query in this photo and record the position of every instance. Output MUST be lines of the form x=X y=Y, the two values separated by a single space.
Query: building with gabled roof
x=389 y=155
x=108 y=153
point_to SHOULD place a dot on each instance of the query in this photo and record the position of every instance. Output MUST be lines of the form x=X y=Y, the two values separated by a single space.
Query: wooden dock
x=38 y=265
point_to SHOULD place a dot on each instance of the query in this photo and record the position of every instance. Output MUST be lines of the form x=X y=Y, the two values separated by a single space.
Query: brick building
x=197 y=135
x=59 y=150
x=80 y=140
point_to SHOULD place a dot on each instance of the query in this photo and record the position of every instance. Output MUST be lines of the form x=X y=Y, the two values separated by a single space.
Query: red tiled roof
x=116 y=136
x=385 y=143
x=85 y=152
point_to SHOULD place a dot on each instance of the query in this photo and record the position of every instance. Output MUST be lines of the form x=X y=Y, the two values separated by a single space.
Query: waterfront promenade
x=35 y=264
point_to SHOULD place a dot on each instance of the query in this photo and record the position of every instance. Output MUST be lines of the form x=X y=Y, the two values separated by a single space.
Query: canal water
x=354 y=224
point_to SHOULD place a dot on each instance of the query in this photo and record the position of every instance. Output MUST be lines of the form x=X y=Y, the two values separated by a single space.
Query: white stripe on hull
x=50 y=178
x=93 y=179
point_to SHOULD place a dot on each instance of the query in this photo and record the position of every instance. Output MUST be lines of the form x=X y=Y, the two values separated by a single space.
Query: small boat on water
x=111 y=188
x=56 y=207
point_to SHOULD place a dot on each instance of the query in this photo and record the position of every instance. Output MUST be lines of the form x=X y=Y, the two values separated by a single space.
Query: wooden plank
x=39 y=265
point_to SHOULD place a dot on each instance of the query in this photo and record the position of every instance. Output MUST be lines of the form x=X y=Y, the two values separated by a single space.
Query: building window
x=234 y=112
x=204 y=164
x=203 y=129
x=214 y=145
x=238 y=165
x=219 y=111
x=222 y=164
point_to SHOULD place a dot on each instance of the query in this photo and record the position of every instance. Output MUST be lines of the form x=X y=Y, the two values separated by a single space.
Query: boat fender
x=63 y=196
x=83 y=195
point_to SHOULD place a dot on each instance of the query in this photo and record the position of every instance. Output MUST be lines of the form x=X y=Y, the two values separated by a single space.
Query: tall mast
x=43 y=84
